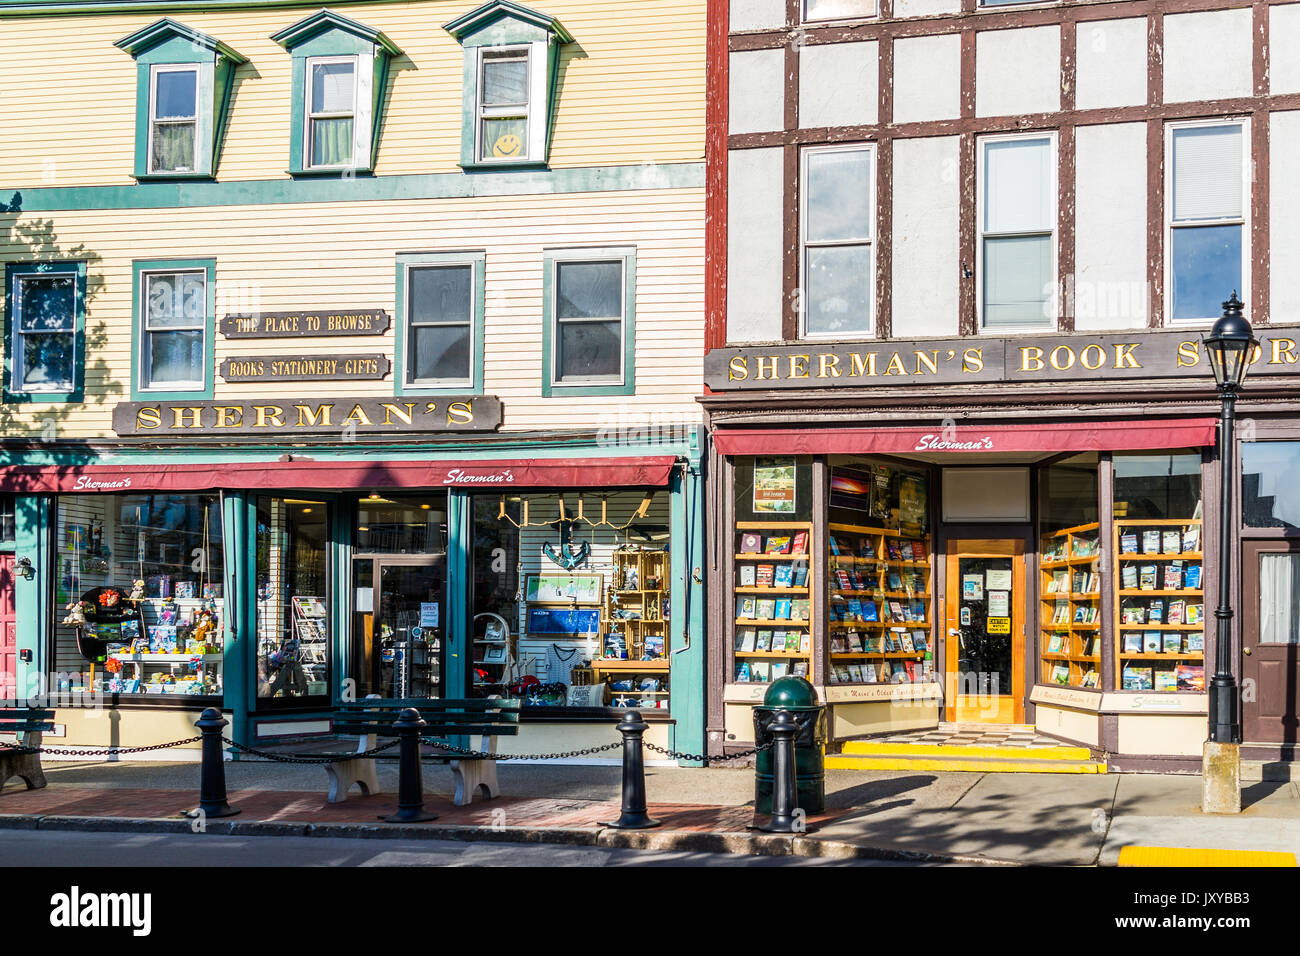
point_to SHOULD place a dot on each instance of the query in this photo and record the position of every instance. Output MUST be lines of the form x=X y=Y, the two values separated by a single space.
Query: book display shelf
x=772 y=595
x=635 y=615
x=1070 y=606
x=1160 y=605
x=878 y=606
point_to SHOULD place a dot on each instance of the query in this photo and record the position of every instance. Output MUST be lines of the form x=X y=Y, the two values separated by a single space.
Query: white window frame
x=804 y=244
x=1049 y=324
x=1243 y=220
x=410 y=324
x=146 y=383
x=597 y=256
x=154 y=72
x=16 y=370
x=308 y=116
x=534 y=111
x=803 y=14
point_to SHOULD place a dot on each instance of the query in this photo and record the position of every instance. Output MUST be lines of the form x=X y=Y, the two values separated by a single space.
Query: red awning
x=648 y=471
x=971 y=438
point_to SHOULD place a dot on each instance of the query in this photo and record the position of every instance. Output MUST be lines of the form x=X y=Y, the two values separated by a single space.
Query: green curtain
x=173 y=147
x=331 y=142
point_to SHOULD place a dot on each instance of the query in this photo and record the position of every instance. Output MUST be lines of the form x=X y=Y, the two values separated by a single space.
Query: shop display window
x=572 y=599
x=293 y=598
x=1070 y=569
x=878 y=587
x=139 y=598
x=1159 y=553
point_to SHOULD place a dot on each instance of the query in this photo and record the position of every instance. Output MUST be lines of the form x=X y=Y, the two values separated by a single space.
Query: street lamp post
x=1228 y=348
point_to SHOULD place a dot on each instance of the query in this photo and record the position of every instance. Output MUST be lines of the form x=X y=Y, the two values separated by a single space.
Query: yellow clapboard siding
x=632 y=90
x=343 y=254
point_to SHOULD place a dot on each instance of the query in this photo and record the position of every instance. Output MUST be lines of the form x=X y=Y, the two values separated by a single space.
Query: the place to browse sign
x=1079 y=357
x=281 y=418
x=305 y=323
x=277 y=368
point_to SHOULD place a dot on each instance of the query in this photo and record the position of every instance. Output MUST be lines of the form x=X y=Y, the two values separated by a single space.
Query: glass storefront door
x=985 y=611
x=398 y=625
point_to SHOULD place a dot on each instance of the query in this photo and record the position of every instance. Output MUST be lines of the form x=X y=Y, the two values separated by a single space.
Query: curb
x=734 y=843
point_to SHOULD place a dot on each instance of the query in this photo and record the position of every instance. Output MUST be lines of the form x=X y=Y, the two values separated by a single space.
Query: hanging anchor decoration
x=567 y=556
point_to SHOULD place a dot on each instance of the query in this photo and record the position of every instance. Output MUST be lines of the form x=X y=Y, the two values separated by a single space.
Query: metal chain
x=705 y=758
x=110 y=751
x=282 y=758
x=484 y=755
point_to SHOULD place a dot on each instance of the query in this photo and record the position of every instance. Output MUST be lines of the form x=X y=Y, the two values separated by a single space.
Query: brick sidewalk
x=282 y=806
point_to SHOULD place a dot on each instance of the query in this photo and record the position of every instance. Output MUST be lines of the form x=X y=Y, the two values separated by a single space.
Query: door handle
x=1246 y=651
x=953 y=632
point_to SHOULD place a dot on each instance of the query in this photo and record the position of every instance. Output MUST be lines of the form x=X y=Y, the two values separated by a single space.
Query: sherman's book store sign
x=286 y=417
x=950 y=361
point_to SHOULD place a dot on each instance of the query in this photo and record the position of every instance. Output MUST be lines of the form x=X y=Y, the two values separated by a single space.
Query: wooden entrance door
x=985 y=626
x=1270 y=628
x=8 y=630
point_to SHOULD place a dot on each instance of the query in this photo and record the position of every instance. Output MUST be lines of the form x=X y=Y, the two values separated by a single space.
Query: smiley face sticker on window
x=507 y=145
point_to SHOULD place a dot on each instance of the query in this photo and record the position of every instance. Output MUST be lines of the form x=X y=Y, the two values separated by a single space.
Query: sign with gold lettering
x=305 y=323
x=279 y=368
x=1171 y=353
x=280 y=418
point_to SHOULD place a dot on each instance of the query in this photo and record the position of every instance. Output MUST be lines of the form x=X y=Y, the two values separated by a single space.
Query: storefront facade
x=415 y=419
x=962 y=259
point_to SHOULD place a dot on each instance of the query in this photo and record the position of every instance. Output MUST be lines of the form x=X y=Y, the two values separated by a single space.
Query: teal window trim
x=14 y=271
x=551 y=387
x=169 y=45
x=499 y=27
x=139 y=269
x=401 y=378
x=327 y=35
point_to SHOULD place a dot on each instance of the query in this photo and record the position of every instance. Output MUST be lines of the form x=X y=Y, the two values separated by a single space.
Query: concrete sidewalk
x=943 y=817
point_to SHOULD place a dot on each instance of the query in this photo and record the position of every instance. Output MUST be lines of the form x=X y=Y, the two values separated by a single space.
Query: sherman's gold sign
x=281 y=418
x=1078 y=357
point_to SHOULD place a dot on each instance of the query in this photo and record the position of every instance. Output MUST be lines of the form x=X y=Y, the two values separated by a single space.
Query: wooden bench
x=373 y=718
x=27 y=724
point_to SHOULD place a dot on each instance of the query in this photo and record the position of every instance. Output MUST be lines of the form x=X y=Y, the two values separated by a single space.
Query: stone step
x=993 y=751
x=969 y=764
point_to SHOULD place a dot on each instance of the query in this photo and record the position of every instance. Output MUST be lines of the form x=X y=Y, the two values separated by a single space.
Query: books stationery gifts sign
x=770 y=594
x=1158 y=589
x=1070 y=605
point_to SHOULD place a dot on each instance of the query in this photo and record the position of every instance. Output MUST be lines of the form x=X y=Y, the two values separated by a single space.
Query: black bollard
x=410 y=780
x=212 y=769
x=783 y=728
x=634 y=815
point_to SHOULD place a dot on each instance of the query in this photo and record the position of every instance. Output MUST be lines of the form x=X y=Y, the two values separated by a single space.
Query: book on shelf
x=869 y=674
x=1176 y=609
x=765 y=609
x=896 y=611
x=1058 y=583
x=746 y=577
x=1172 y=643
x=748 y=638
x=894 y=581
x=805 y=642
x=777 y=544
x=1080 y=615
x=905 y=550
x=1174 y=576
x=742 y=673
x=841 y=674
x=1061 y=614
x=751 y=543
x=919 y=642
x=1165 y=678
x=800 y=574
x=855 y=610
x=1190 y=677
x=1088 y=645
x=1195 y=641
x=1147 y=577
x=740 y=639
x=800 y=669
x=781 y=610
x=916 y=611
x=1171 y=542
x=873 y=644
x=1133 y=614
x=1192 y=538
x=800 y=543
x=764 y=575
x=842 y=578
x=910 y=667
x=855 y=642
x=1134 y=677
x=1128 y=543
x=1156 y=612
x=892 y=549
x=890 y=645
x=795 y=641
x=855 y=673
x=905 y=641
x=780 y=669
x=1085 y=547
x=1054 y=551
x=764 y=640
x=1128 y=576
x=1055 y=644
x=919 y=551
x=834 y=544
x=1060 y=673
x=1089 y=678
x=1150 y=542
x=869 y=611
x=783 y=576
x=799 y=609
x=1192 y=577
x=898 y=672
x=745 y=607
x=1195 y=614
x=839 y=644
x=1151 y=642
x=759 y=672
x=1132 y=643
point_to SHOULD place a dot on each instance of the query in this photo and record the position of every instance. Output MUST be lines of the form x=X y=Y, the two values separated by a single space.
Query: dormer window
x=503 y=105
x=332 y=112
x=173 y=119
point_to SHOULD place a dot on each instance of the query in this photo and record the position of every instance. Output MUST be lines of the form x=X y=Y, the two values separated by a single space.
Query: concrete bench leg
x=473 y=775
x=26 y=766
x=362 y=772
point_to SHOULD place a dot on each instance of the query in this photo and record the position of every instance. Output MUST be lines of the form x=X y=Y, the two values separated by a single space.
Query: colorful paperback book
x=747 y=637
x=1060 y=673
x=799 y=609
x=751 y=543
x=839 y=644
x=1173 y=643
x=1132 y=643
x=869 y=611
x=1089 y=678
x=1192 y=538
x=1147 y=577
x=842 y=578
x=800 y=669
x=1195 y=613
x=869 y=674
x=1128 y=576
x=1166 y=678
x=894 y=581
x=1171 y=542
x=1133 y=614
x=834 y=543
x=855 y=642
x=745 y=607
x=783 y=577
x=740 y=638
x=1128 y=543
x=905 y=549
x=1192 y=577
x=765 y=609
x=779 y=669
x=777 y=544
x=855 y=673
x=910 y=667
x=800 y=543
x=1156 y=612
x=805 y=642
x=782 y=609
x=872 y=644
x=855 y=609
x=891 y=548
x=905 y=641
x=1138 y=678
x=764 y=574
x=800 y=575
x=1176 y=612
x=898 y=672
x=918 y=551
x=891 y=646
x=759 y=672
x=764 y=641
x=793 y=640
x=919 y=641
x=747 y=579
x=1151 y=642
x=1195 y=642
x=1174 y=576
x=742 y=673
x=1055 y=644
x=1150 y=542
x=1190 y=677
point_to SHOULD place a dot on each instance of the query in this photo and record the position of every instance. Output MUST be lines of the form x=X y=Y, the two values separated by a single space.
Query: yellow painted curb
x=866 y=762
x=1185 y=856
x=957 y=750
